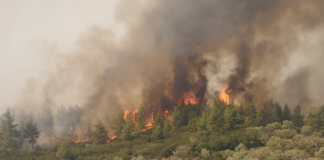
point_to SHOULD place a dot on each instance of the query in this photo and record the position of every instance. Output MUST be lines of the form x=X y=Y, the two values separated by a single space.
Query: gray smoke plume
x=173 y=47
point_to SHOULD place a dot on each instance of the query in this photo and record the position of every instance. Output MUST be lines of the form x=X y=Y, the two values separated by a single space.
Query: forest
x=190 y=131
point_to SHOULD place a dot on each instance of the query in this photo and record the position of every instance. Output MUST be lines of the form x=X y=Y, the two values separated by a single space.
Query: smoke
x=172 y=47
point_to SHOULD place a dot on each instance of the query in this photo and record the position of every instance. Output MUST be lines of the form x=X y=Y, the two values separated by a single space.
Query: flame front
x=149 y=124
x=224 y=95
x=132 y=112
x=188 y=97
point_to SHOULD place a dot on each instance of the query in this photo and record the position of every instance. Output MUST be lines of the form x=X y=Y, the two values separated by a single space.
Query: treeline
x=220 y=117
x=188 y=131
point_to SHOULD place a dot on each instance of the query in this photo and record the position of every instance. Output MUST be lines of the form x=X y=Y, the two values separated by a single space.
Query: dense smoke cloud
x=172 y=47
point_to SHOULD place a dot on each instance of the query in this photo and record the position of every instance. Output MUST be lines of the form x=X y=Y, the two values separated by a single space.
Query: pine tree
x=48 y=123
x=286 y=113
x=119 y=123
x=157 y=121
x=166 y=126
x=202 y=122
x=297 y=118
x=127 y=129
x=266 y=114
x=238 y=119
x=8 y=132
x=229 y=118
x=259 y=119
x=140 y=121
x=276 y=113
x=157 y=132
x=241 y=109
x=250 y=113
x=31 y=131
x=176 y=117
x=215 y=120
x=71 y=131
x=88 y=133
x=100 y=135
x=315 y=118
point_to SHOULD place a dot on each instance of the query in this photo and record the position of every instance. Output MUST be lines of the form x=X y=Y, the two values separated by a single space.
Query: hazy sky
x=26 y=26
x=31 y=30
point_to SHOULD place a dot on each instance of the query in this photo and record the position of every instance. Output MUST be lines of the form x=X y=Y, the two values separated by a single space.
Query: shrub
x=296 y=154
x=227 y=153
x=205 y=153
x=306 y=131
x=181 y=151
x=64 y=151
x=285 y=133
x=277 y=143
x=140 y=157
x=264 y=138
x=320 y=153
x=117 y=158
x=287 y=125
x=260 y=153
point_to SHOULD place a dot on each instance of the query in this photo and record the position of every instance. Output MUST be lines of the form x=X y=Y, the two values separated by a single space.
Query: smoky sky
x=173 y=47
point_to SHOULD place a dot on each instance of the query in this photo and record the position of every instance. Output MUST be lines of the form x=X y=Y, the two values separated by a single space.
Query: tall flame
x=188 y=97
x=132 y=113
x=149 y=124
x=224 y=95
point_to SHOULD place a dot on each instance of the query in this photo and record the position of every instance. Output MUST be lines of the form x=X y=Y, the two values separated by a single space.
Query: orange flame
x=149 y=124
x=80 y=134
x=224 y=95
x=188 y=97
x=113 y=137
x=132 y=112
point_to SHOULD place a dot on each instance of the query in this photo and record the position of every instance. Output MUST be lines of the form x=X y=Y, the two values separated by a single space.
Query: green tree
x=215 y=120
x=119 y=123
x=100 y=135
x=276 y=113
x=259 y=119
x=140 y=121
x=297 y=118
x=231 y=118
x=202 y=122
x=241 y=109
x=64 y=151
x=157 y=121
x=250 y=113
x=31 y=131
x=286 y=113
x=127 y=129
x=157 y=132
x=166 y=126
x=315 y=118
x=266 y=114
x=8 y=132
x=176 y=117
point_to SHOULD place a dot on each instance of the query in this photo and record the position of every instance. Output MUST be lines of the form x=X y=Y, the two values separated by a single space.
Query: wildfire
x=80 y=132
x=113 y=137
x=224 y=95
x=188 y=97
x=149 y=124
x=166 y=113
x=132 y=112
